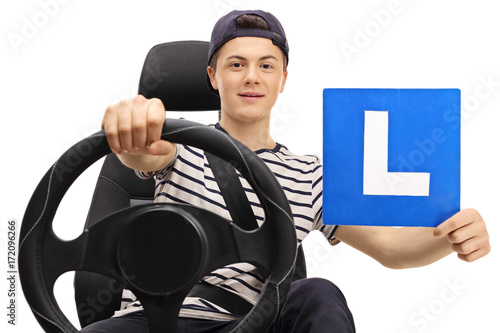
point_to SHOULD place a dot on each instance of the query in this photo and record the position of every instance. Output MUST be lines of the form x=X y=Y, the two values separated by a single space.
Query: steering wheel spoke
x=161 y=312
x=254 y=247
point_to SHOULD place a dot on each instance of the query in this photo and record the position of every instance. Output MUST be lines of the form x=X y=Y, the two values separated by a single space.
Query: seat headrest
x=175 y=72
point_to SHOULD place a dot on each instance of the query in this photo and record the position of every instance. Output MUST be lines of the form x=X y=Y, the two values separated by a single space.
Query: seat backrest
x=176 y=73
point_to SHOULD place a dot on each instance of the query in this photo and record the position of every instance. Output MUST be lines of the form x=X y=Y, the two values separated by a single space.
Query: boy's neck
x=254 y=135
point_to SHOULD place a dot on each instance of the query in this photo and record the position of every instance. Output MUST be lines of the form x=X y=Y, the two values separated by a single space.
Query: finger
x=473 y=256
x=110 y=127
x=469 y=246
x=155 y=120
x=473 y=248
x=459 y=220
x=139 y=122
x=125 y=125
x=464 y=233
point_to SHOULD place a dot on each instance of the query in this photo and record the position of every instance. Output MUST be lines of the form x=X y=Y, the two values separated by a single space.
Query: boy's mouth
x=251 y=96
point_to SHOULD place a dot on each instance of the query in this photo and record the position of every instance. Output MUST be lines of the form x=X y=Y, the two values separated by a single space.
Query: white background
x=57 y=80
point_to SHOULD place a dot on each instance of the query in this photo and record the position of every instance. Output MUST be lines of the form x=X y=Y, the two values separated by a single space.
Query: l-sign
x=391 y=156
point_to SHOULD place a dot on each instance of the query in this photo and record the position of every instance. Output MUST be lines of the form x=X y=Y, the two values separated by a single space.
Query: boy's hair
x=251 y=21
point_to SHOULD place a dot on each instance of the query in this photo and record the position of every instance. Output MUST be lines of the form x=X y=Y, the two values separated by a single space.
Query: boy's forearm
x=396 y=248
x=414 y=247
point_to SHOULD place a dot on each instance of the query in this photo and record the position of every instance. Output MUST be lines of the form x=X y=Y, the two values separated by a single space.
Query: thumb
x=161 y=147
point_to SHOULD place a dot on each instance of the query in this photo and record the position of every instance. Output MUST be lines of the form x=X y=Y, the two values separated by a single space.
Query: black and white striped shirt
x=189 y=179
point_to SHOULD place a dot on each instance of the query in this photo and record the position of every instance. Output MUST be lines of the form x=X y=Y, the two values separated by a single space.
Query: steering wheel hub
x=160 y=239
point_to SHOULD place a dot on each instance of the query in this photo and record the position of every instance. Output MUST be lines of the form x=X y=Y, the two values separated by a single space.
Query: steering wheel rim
x=43 y=205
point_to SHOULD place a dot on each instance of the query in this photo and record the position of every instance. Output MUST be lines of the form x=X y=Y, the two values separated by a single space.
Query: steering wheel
x=158 y=251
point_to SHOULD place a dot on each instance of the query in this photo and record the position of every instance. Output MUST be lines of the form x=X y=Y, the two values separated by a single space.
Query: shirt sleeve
x=145 y=175
x=328 y=230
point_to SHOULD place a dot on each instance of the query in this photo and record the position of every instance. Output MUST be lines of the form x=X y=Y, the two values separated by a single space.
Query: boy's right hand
x=133 y=127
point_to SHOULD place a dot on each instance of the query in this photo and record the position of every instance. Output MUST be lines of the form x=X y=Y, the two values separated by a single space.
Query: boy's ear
x=285 y=76
x=211 y=75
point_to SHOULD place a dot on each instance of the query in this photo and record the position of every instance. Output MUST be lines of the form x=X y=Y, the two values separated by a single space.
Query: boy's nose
x=252 y=76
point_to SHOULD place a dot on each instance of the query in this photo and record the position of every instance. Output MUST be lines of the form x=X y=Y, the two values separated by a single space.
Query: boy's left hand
x=467 y=234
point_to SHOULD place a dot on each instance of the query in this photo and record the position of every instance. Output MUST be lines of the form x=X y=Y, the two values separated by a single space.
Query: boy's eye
x=267 y=66
x=237 y=65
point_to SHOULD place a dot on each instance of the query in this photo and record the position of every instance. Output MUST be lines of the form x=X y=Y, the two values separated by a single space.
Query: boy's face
x=249 y=78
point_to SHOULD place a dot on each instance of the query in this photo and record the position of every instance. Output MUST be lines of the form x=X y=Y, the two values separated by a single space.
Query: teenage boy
x=248 y=60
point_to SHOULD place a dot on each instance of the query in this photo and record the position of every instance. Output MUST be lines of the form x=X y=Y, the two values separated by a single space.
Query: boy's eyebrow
x=243 y=58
